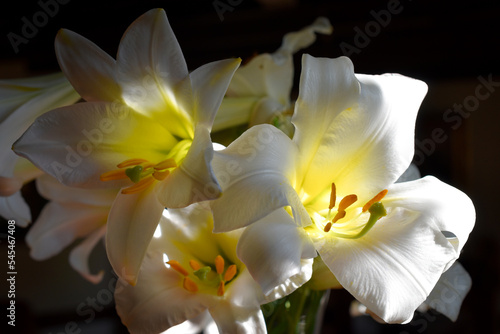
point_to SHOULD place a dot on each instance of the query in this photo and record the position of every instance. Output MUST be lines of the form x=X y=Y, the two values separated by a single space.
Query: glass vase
x=298 y=313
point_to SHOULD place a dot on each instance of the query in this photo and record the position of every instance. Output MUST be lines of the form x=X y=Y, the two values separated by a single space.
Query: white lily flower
x=71 y=214
x=260 y=90
x=189 y=270
x=21 y=102
x=145 y=127
x=386 y=243
x=450 y=291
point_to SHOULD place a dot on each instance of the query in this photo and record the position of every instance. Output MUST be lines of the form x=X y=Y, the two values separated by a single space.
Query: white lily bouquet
x=247 y=228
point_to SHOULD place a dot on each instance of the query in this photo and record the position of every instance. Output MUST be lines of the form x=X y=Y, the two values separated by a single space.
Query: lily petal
x=14 y=207
x=79 y=256
x=390 y=261
x=51 y=189
x=60 y=224
x=96 y=136
x=209 y=84
x=239 y=320
x=13 y=126
x=144 y=308
x=90 y=70
x=272 y=249
x=272 y=74
x=234 y=111
x=450 y=291
x=263 y=171
x=23 y=172
x=132 y=222
x=16 y=92
x=22 y=100
x=193 y=326
x=449 y=208
x=362 y=137
x=263 y=77
x=151 y=67
x=327 y=87
x=295 y=41
x=193 y=181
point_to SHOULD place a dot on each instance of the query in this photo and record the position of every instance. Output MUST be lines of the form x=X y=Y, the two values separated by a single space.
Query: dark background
x=447 y=44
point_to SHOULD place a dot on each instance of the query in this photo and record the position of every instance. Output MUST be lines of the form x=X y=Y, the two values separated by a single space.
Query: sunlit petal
x=391 y=261
x=449 y=208
x=272 y=249
x=131 y=224
x=262 y=170
x=209 y=83
x=95 y=137
x=193 y=181
x=151 y=66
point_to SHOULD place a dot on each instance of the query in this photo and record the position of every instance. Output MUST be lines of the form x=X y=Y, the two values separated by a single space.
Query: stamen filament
x=178 y=267
x=139 y=186
x=147 y=165
x=230 y=272
x=375 y=199
x=339 y=215
x=117 y=174
x=220 y=289
x=189 y=285
x=130 y=162
x=168 y=163
x=219 y=264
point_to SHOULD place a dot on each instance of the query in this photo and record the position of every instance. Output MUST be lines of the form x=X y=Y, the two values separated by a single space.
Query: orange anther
x=114 y=175
x=230 y=272
x=375 y=199
x=328 y=226
x=177 y=267
x=169 y=163
x=189 y=285
x=347 y=201
x=219 y=264
x=130 y=162
x=220 y=289
x=195 y=265
x=160 y=175
x=139 y=186
x=333 y=197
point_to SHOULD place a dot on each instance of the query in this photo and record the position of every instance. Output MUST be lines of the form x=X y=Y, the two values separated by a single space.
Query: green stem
x=295 y=313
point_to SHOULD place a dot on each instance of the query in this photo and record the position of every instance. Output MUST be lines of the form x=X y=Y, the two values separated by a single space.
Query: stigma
x=141 y=172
